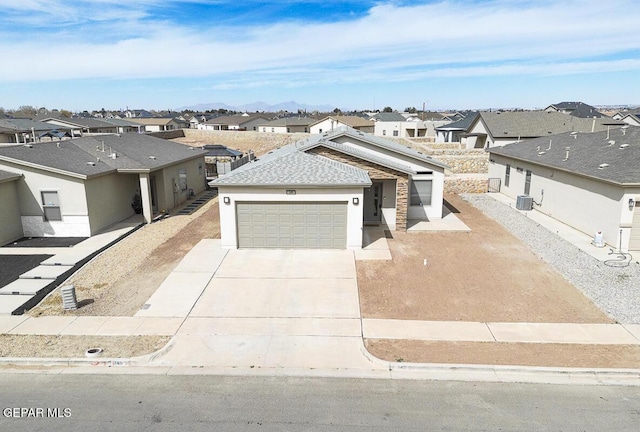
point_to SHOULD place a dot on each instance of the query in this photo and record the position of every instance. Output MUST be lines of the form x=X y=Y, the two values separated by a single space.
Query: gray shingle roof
x=371 y=139
x=25 y=125
x=74 y=156
x=533 y=124
x=389 y=117
x=295 y=168
x=587 y=152
x=460 y=125
x=290 y=121
x=6 y=176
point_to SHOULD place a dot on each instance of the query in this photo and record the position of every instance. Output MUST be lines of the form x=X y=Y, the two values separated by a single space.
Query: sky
x=352 y=54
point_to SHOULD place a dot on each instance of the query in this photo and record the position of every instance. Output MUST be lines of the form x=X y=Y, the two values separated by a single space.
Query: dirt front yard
x=121 y=280
x=486 y=275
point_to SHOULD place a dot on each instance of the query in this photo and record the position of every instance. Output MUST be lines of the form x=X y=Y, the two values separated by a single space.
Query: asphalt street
x=32 y=402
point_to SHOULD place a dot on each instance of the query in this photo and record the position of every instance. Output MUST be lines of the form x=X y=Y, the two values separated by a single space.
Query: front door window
x=373 y=203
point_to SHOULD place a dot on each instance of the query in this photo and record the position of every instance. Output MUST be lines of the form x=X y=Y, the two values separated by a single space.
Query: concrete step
x=24 y=287
x=46 y=272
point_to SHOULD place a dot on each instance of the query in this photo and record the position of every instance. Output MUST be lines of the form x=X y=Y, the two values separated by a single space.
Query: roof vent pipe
x=593 y=125
x=566 y=156
x=608 y=127
x=549 y=148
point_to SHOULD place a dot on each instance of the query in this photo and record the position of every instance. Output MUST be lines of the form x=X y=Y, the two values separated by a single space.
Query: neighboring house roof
x=290 y=121
x=85 y=157
x=533 y=124
x=353 y=121
x=463 y=124
x=587 y=153
x=6 y=176
x=389 y=117
x=577 y=109
x=296 y=168
x=218 y=150
x=84 y=122
x=120 y=122
x=25 y=125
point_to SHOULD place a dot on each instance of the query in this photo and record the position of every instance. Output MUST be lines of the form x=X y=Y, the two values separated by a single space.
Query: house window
x=395 y=133
x=507 y=175
x=273 y=129
x=264 y=129
x=51 y=206
x=384 y=132
x=527 y=182
x=421 y=192
x=288 y=130
x=182 y=179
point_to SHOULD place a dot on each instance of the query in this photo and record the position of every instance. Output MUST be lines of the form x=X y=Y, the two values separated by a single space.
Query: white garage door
x=304 y=225
x=634 y=241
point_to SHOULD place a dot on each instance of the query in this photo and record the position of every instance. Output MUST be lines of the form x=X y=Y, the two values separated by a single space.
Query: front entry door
x=373 y=203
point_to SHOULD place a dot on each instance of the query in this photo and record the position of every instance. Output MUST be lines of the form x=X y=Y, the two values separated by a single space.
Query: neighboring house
x=245 y=122
x=413 y=128
x=330 y=123
x=158 y=124
x=10 y=222
x=576 y=109
x=16 y=131
x=491 y=129
x=80 y=186
x=321 y=191
x=589 y=181
x=137 y=114
x=93 y=126
x=287 y=125
x=632 y=119
x=456 y=131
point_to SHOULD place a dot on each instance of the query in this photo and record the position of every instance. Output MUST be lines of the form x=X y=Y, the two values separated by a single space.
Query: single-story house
x=320 y=192
x=80 y=126
x=576 y=109
x=287 y=125
x=244 y=122
x=16 y=131
x=490 y=129
x=456 y=131
x=589 y=181
x=632 y=119
x=330 y=123
x=77 y=187
x=159 y=124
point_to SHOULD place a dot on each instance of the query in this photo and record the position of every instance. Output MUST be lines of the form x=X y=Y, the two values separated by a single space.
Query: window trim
x=421 y=203
x=47 y=206
x=507 y=175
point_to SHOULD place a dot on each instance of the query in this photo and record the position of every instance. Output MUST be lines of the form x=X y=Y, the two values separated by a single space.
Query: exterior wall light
x=356 y=201
x=226 y=200
x=631 y=204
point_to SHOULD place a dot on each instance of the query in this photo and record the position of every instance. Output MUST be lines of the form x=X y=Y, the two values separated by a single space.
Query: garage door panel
x=292 y=225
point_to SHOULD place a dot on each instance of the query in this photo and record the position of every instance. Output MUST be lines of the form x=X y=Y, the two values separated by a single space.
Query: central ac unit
x=524 y=202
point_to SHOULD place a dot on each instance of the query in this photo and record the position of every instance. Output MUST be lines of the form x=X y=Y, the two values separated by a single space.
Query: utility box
x=524 y=202
x=69 y=301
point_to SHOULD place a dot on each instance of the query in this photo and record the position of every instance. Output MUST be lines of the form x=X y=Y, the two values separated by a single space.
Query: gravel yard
x=120 y=280
x=615 y=290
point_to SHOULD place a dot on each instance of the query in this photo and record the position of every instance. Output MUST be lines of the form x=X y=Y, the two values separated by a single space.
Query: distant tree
x=387 y=109
x=411 y=110
x=65 y=113
x=337 y=111
x=27 y=110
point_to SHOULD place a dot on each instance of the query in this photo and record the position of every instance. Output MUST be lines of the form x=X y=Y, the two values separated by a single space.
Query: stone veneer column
x=402 y=202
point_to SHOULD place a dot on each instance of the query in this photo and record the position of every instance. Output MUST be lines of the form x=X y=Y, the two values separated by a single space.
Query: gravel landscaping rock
x=613 y=288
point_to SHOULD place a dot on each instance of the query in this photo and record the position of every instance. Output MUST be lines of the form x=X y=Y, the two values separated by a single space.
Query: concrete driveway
x=275 y=309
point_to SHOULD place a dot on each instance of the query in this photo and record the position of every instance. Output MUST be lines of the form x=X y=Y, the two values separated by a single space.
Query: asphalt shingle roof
x=533 y=124
x=85 y=157
x=353 y=121
x=587 y=151
x=25 y=125
x=296 y=168
x=389 y=117
x=8 y=176
x=291 y=121
x=460 y=125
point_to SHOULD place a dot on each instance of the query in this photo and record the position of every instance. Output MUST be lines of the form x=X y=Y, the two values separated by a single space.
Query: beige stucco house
x=331 y=123
x=589 y=181
x=75 y=188
x=320 y=192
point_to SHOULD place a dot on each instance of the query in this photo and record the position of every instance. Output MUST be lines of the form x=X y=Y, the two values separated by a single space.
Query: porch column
x=145 y=194
x=402 y=203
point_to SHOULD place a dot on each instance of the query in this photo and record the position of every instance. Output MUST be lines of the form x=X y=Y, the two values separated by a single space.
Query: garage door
x=634 y=241
x=321 y=225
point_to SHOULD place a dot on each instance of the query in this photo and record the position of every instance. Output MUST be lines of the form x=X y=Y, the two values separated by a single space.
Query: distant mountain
x=290 y=106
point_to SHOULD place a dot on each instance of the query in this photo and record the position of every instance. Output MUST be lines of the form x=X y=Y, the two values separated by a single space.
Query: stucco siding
x=228 y=223
x=168 y=194
x=109 y=199
x=580 y=202
x=10 y=223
